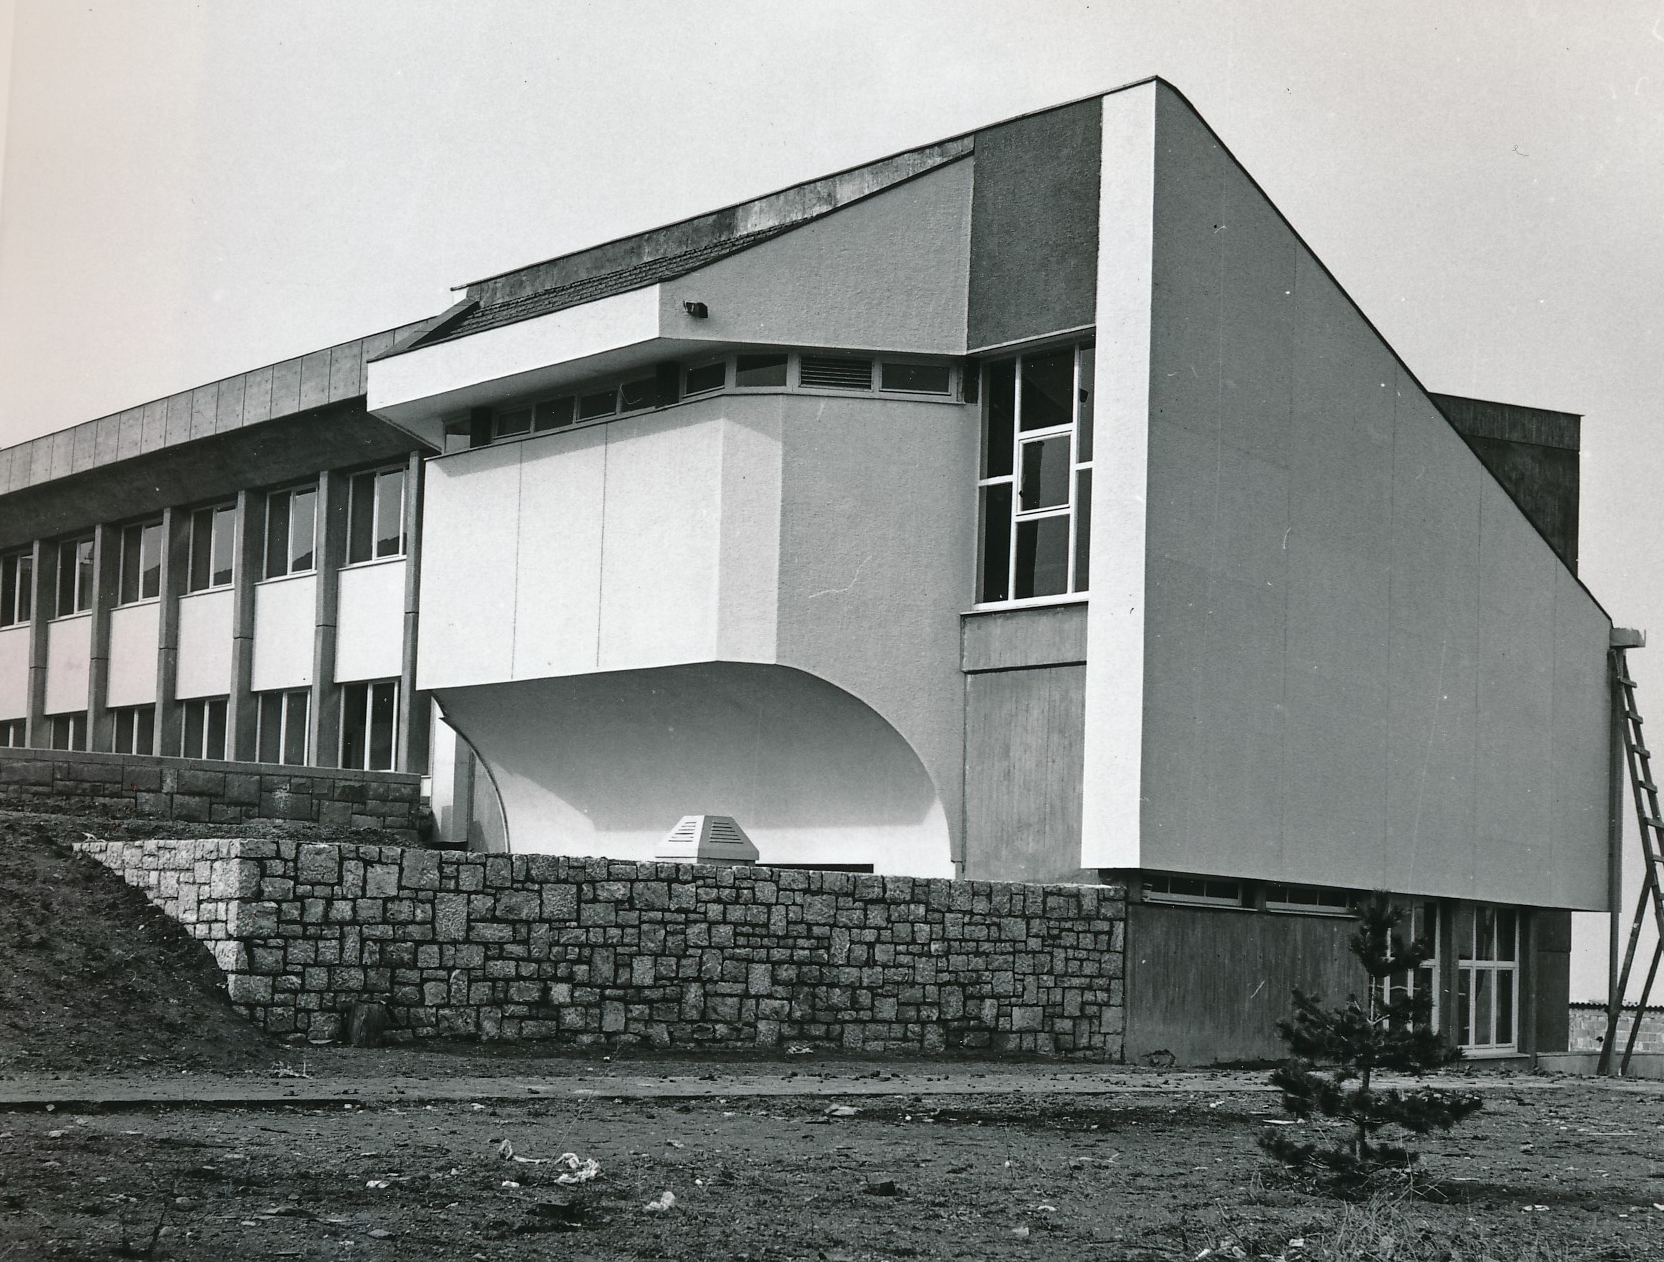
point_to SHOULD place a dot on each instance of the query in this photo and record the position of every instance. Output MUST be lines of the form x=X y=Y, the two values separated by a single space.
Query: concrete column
x=415 y=709
x=323 y=718
x=106 y=570
x=241 y=711
x=176 y=566
x=42 y=607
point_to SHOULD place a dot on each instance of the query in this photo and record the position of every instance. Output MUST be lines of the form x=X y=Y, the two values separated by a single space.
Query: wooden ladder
x=1651 y=820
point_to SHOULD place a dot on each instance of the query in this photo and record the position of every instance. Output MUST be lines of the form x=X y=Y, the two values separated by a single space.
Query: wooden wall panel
x=1024 y=737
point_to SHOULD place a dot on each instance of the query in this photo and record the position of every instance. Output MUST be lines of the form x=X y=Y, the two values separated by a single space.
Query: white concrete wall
x=369 y=621
x=205 y=625
x=887 y=273
x=835 y=536
x=133 y=641
x=285 y=618
x=68 y=658
x=1363 y=666
x=14 y=672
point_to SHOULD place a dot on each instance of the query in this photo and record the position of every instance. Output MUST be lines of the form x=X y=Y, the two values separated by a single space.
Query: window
x=291 y=525
x=916 y=378
x=74 y=576
x=596 y=404
x=213 y=533
x=1035 y=490
x=1421 y=925
x=14 y=734
x=369 y=719
x=141 y=562
x=703 y=378
x=283 y=727
x=1487 y=968
x=1162 y=887
x=375 y=516
x=135 y=729
x=753 y=371
x=202 y=732
x=1309 y=899
x=17 y=588
x=69 y=731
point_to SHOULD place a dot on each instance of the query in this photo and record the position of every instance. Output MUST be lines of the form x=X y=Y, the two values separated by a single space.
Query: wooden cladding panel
x=1024 y=736
x=1008 y=639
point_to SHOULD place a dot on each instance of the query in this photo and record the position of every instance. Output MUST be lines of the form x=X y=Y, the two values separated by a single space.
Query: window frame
x=1468 y=970
x=364 y=729
x=84 y=575
x=72 y=726
x=1077 y=508
x=1150 y=891
x=378 y=478
x=289 y=493
x=214 y=514
x=126 y=726
x=17 y=574
x=14 y=733
x=133 y=536
x=286 y=717
x=189 y=709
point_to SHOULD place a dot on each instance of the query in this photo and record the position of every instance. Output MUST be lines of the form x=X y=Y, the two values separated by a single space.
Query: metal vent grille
x=835 y=372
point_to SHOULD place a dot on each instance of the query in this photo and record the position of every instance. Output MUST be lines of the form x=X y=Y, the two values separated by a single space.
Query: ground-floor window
x=69 y=731
x=14 y=733
x=369 y=723
x=135 y=729
x=202 y=732
x=1420 y=924
x=1486 y=942
x=283 y=726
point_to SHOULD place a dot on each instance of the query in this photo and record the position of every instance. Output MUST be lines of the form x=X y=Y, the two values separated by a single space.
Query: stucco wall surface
x=14 y=672
x=1363 y=666
x=591 y=951
x=134 y=633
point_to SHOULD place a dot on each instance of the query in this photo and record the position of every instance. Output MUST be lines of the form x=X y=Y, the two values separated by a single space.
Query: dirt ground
x=94 y=981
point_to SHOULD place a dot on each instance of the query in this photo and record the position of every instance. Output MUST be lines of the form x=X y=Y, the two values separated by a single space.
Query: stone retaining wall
x=210 y=792
x=592 y=950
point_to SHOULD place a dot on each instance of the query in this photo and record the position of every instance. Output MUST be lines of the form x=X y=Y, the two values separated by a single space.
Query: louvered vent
x=835 y=372
x=706 y=839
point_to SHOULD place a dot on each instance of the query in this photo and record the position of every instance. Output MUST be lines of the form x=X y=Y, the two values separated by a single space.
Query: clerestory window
x=1035 y=489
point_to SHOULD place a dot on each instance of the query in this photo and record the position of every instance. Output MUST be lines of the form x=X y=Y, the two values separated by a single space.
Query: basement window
x=135 y=729
x=291 y=531
x=1035 y=489
x=375 y=514
x=213 y=534
x=141 y=562
x=202 y=728
x=75 y=577
x=17 y=588
x=282 y=727
x=1161 y=887
x=369 y=725
x=69 y=731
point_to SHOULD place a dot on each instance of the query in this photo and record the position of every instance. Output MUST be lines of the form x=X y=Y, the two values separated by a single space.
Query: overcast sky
x=191 y=190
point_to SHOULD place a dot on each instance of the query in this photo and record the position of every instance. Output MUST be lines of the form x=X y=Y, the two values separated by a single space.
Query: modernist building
x=1033 y=505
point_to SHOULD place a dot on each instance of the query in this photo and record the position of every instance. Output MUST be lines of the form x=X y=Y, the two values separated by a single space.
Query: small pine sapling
x=1337 y=1051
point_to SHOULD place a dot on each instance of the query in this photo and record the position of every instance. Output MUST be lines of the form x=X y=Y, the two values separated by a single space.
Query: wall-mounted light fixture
x=697 y=310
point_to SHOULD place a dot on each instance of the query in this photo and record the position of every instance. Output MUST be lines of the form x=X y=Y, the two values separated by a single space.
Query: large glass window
x=375 y=517
x=291 y=531
x=69 y=731
x=202 y=730
x=17 y=588
x=1035 y=488
x=213 y=536
x=1420 y=925
x=14 y=733
x=283 y=727
x=369 y=724
x=75 y=576
x=1487 y=975
x=141 y=562
x=135 y=729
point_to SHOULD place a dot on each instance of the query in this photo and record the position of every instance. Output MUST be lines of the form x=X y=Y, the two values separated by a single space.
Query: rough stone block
x=250 y=919
x=319 y=865
x=419 y=869
x=381 y=880
x=518 y=905
x=450 y=917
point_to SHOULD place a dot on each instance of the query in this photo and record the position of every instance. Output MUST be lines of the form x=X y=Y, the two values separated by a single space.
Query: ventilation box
x=706 y=839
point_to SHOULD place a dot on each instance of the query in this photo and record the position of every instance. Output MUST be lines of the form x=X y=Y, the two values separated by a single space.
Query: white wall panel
x=369 y=621
x=14 y=672
x=68 y=657
x=205 y=625
x=557 y=592
x=285 y=622
x=133 y=640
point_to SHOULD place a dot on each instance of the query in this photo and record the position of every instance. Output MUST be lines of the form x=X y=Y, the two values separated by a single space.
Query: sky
x=191 y=190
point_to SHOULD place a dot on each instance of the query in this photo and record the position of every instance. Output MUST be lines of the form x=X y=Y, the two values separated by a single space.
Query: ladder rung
x=1646 y=785
x=1634 y=717
x=1640 y=751
x=1626 y=681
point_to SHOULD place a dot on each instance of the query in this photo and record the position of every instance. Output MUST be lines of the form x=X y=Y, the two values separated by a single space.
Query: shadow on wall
x=606 y=764
x=466 y=812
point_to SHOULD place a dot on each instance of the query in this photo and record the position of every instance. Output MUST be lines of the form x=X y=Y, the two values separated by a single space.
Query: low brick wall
x=591 y=950
x=1588 y=1028
x=210 y=792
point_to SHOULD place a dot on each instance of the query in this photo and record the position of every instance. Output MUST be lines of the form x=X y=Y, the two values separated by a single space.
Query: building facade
x=1029 y=506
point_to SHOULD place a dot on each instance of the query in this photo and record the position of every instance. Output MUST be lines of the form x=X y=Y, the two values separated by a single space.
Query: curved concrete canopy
x=605 y=764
